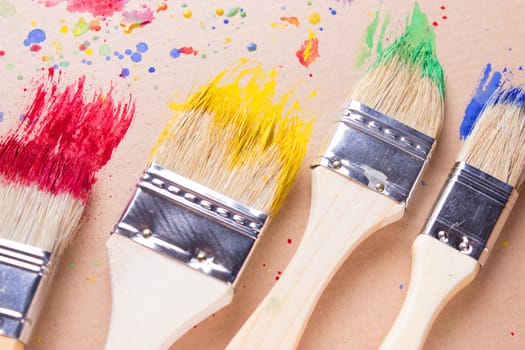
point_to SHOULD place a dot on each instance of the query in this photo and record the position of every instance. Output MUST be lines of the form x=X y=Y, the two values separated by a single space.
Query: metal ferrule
x=377 y=151
x=24 y=279
x=471 y=210
x=191 y=223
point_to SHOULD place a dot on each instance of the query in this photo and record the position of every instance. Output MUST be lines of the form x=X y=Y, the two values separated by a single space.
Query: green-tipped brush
x=361 y=181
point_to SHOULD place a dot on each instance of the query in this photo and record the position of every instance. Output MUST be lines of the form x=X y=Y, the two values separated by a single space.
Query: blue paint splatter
x=142 y=47
x=34 y=37
x=128 y=52
x=251 y=47
x=151 y=69
x=175 y=53
x=226 y=21
x=480 y=97
x=124 y=72
x=333 y=12
x=136 y=57
x=1 y=117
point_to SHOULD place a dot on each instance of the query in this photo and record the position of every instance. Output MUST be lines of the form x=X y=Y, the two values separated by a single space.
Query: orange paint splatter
x=162 y=7
x=291 y=20
x=308 y=52
x=188 y=51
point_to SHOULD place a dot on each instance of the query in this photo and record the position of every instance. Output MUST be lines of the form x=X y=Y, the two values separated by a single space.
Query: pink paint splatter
x=308 y=52
x=2 y=53
x=103 y=8
x=64 y=138
x=136 y=19
x=35 y=48
x=291 y=20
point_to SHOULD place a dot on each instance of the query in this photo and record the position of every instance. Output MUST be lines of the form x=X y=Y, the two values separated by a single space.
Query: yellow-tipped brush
x=361 y=182
x=467 y=218
x=221 y=168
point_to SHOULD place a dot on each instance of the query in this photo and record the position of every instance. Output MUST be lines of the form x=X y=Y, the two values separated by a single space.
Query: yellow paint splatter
x=312 y=94
x=227 y=40
x=91 y=279
x=64 y=29
x=33 y=23
x=505 y=243
x=219 y=11
x=314 y=18
x=81 y=27
x=89 y=52
x=38 y=340
x=187 y=13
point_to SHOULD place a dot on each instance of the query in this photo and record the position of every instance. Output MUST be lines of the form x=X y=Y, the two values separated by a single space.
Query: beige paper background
x=360 y=304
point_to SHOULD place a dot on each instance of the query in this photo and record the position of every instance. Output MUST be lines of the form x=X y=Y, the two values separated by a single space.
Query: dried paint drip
x=64 y=138
x=309 y=51
x=489 y=82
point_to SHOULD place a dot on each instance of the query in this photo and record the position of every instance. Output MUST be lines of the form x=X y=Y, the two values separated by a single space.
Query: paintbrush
x=467 y=217
x=47 y=169
x=362 y=182
x=220 y=170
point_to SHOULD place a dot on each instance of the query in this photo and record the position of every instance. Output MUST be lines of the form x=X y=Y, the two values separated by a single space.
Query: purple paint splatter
x=483 y=92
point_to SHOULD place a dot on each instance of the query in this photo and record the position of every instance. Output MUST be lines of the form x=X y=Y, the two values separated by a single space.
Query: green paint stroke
x=379 y=48
x=7 y=9
x=366 y=52
x=416 y=47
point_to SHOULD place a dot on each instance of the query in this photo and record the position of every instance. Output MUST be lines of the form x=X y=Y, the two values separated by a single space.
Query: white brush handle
x=7 y=343
x=156 y=299
x=438 y=273
x=342 y=215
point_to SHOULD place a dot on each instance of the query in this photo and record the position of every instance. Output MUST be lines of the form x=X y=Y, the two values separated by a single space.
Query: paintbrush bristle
x=231 y=136
x=406 y=81
x=49 y=161
x=497 y=142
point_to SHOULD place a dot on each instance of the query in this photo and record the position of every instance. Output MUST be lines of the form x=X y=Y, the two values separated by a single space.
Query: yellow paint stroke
x=262 y=127
x=308 y=49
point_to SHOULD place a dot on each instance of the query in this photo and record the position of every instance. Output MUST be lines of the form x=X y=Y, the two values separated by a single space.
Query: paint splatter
x=95 y=7
x=65 y=138
x=35 y=36
x=308 y=52
x=175 y=53
x=289 y=241
x=314 y=18
x=187 y=13
x=292 y=20
x=219 y=11
x=1 y=117
x=251 y=46
x=136 y=19
x=488 y=83
x=81 y=27
x=232 y=11
x=7 y=9
x=504 y=243
x=512 y=333
x=401 y=286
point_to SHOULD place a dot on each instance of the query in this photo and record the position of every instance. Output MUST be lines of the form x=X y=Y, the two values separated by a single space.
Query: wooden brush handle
x=343 y=214
x=156 y=299
x=438 y=273
x=7 y=343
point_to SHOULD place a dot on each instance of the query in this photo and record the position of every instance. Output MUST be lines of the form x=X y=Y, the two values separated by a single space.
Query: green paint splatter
x=81 y=27
x=72 y=265
x=20 y=77
x=366 y=52
x=96 y=263
x=9 y=66
x=416 y=47
x=203 y=56
x=64 y=64
x=233 y=11
x=7 y=9
x=104 y=50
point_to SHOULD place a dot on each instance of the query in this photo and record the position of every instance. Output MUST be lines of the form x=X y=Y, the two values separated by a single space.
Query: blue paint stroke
x=480 y=97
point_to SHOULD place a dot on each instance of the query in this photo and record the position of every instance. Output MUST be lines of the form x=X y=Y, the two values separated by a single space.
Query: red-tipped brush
x=47 y=169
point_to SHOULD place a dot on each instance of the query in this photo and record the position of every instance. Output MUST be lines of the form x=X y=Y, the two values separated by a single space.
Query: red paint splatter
x=64 y=138
x=103 y=8
x=444 y=17
x=136 y=19
x=435 y=24
x=2 y=53
x=35 y=48
x=289 y=241
x=512 y=334
x=291 y=20
x=277 y=278
x=83 y=46
x=308 y=52
x=188 y=51
x=443 y=7
x=95 y=26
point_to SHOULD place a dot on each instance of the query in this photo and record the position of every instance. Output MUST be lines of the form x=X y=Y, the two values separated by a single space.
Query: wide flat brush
x=467 y=218
x=47 y=169
x=361 y=183
x=220 y=170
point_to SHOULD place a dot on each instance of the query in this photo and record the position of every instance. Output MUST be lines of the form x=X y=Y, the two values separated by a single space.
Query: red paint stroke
x=35 y=48
x=64 y=138
x=291 y=20
x=188 y=50
x=104 y=8
x=136 y=19
x=308 y=52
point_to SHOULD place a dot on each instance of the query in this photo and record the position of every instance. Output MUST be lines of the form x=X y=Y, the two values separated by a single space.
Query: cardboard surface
x=363 y=299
